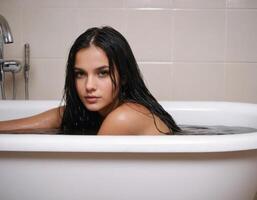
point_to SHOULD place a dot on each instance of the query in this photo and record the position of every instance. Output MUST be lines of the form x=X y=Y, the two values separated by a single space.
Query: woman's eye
x=79 y=74
x=103 y=73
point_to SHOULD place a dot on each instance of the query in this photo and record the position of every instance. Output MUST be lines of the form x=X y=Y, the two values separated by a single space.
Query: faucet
x=5 y=37
x=12 y=66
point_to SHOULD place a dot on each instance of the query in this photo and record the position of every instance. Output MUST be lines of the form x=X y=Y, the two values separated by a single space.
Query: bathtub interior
x=186 y=113
x=10 y=109
x=213 y=113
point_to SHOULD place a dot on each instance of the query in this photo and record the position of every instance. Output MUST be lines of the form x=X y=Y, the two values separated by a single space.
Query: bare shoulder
x=124 y=120
x=128 y=119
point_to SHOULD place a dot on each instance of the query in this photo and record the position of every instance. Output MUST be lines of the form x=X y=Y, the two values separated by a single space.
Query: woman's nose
x=90 y=84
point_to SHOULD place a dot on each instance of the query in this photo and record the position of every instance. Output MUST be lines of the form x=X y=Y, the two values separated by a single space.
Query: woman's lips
x=91 y=99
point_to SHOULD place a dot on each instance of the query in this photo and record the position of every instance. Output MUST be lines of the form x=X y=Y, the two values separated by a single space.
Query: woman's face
x=93 y=81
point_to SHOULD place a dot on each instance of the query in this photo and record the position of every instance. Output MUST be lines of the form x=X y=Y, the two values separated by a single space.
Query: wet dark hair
x=131 y=86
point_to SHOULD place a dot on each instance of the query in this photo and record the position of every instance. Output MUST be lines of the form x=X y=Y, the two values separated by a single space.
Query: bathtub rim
x=128 y=144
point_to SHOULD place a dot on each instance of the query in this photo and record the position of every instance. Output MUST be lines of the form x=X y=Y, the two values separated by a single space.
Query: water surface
x=186 y=130
x=214 y=130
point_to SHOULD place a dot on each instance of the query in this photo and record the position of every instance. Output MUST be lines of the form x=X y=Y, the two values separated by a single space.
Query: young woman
x=104 y=93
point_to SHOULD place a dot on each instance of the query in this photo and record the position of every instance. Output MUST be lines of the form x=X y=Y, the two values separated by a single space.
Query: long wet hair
x=131 y=87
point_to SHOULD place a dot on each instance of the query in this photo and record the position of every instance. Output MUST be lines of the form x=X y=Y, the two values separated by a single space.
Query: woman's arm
x=46 y=120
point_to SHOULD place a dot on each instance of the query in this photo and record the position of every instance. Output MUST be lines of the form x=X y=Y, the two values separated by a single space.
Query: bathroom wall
x=186 y=49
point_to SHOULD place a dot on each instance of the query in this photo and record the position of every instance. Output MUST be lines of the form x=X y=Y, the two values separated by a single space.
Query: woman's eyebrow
x=102 y=67
x=78 y=68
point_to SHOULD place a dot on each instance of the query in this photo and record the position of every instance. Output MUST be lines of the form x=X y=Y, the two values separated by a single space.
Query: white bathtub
x=53 y=167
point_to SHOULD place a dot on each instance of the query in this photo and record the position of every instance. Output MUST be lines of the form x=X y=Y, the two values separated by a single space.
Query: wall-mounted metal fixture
x=26 y=69
x=12 y=66
x=5 y=38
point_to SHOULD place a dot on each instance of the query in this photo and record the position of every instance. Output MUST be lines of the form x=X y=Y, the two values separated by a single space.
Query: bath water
x=214 y=130
x=186 y=130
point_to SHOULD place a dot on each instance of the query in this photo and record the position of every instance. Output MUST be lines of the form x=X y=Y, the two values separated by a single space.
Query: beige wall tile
x=10 y=3
x=241 y=82
x=47 y=78
x=150 y=34
x=12 y=12
x=199 y=35
x=100 y=3
x=241 y=36
x=157 y=77
x=101 y=17
x=199 y=3
x=242 y=3
x=198 y=81
x=147 y=4
x=50 y=3
x=50 y=31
